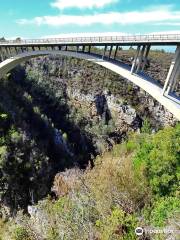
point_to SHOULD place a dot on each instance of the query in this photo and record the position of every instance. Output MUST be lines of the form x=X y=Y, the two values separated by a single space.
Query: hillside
x=135 y=184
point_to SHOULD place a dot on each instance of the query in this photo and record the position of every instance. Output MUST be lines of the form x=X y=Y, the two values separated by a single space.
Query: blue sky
x=39 y=18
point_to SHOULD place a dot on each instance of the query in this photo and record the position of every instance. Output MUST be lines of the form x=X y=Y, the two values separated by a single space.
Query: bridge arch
x=122 y=69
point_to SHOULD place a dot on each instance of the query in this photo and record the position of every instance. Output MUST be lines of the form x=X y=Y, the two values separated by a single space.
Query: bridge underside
x=124 y=70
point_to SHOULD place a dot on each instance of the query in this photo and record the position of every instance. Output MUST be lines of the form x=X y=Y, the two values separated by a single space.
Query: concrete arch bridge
x=14 y=52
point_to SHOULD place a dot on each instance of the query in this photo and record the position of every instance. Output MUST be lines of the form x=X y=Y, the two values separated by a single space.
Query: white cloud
x=89 y=34
x=62 y=4
x=167 y=32
x=158 y=16
x=168 y=24
x=102 y=34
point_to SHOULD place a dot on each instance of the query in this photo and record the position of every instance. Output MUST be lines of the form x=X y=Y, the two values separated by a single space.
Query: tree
x=146 y=128
x=2 y=39
x=18 y=39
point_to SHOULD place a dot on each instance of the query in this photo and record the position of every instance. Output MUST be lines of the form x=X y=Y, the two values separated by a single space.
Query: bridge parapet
x=157 y=39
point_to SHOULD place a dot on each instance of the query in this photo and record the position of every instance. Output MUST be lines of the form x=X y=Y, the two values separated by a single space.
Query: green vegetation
x=138 y=178
x=161 y=157
x=146 y=128
x=21 y=233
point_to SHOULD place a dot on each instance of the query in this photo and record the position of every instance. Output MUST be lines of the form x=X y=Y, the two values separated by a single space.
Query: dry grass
x=113 y=182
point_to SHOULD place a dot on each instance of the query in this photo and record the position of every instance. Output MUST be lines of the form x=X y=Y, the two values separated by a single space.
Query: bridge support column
x=140 y=58
x=116 y=51
x=110 y=51
x=89 y=50
x=135 y=60
x=8 y=52
x=104 y=53
x=16 y=50
x=1 y=54
x=173 y=73
x=146 y=56
x=176 y=78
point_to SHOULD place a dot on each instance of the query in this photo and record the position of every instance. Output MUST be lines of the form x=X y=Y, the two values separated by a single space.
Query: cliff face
x=86 y=83
x=103 y=104
x=121 y=111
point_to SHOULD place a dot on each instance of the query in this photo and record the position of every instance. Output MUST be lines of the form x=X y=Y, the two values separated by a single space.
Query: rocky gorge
x=82 y=84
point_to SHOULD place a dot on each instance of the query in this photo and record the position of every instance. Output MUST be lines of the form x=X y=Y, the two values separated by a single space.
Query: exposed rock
x=102 y=105
x=127 y=113
x=5 y=212
x=64 y=182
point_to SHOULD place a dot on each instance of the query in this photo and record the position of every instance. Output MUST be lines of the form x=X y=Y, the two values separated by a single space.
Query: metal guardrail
x=100 y=39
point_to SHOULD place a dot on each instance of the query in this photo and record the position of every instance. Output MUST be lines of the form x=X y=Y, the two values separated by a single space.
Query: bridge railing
x=99 y=39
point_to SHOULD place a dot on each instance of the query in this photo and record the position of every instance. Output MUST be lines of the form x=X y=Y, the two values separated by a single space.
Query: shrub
x=146 y=128
x=21 y=233
x=163 y=209
x=159 y=157
x=3 y=154
x=116 y=226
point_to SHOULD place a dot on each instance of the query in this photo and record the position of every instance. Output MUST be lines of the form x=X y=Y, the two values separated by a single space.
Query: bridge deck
x=161 y=39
